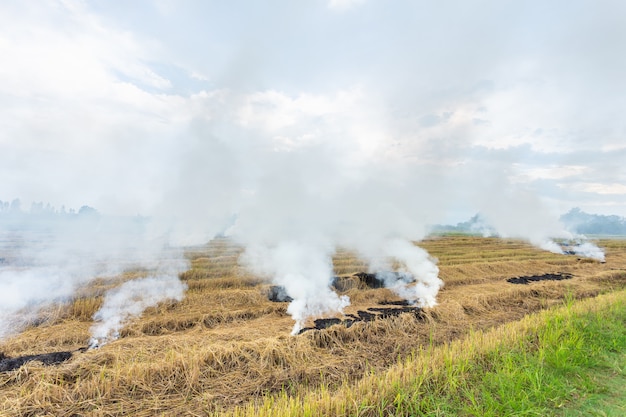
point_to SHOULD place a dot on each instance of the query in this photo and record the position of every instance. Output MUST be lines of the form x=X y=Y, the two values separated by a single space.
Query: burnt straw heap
x=53 y=358
x=545 y=277
x=371 y=314
x=277 y=293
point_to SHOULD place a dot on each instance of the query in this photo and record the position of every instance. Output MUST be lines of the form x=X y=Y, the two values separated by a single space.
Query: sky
x=162 y=107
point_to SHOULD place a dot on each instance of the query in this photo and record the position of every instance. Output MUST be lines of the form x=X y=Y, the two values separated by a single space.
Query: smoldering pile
x=371 y=314
x=277 y=293
x=366 y=279
x=545 y=277
x=582 y=249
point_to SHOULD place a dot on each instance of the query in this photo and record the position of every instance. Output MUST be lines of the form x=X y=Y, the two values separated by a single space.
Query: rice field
x=227 y=349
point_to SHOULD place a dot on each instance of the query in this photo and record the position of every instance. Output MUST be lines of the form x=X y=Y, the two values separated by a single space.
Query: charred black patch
x=545 y=277
x=371 y=314
x=342 y=284
x=54 y=358
x=366 y=315
x=386 y=312
x=278 y=294
x=378 y=279
x=395 y=303
x=371 y=280
x=326 y=323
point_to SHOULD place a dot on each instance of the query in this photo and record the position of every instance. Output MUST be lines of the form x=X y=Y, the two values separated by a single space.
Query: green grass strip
x=573 y=365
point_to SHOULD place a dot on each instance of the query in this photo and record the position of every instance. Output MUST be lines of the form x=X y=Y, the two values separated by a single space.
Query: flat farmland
x=227 y=346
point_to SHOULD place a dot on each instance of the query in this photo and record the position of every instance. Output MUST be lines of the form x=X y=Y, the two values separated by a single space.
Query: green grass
x=573 y=365
x=566 y=361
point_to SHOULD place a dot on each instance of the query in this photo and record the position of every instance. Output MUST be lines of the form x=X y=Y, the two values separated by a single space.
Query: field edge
x=420 y=384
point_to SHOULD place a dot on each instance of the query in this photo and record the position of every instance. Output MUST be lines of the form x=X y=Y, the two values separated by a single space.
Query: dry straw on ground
x=225 y=344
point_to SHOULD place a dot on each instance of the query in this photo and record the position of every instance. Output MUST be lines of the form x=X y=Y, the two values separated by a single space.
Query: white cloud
x=345 y=118
x=80 y=133
x=553 y=172
x=342 y=5
x=88 y=87
x=596 y=188
x=198 y=76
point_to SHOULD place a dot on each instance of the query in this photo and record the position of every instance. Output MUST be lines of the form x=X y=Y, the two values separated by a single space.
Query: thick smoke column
x=306 y=195
x=305 y=272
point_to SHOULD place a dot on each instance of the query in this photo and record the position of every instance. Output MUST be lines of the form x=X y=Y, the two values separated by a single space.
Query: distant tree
x=578 y=221
x=87 y=211
x=16 y=205
x=36 y=208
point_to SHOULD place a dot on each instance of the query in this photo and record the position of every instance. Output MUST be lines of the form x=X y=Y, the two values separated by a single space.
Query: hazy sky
x=129 y=105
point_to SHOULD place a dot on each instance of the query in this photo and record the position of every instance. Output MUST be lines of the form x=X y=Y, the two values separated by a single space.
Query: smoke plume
x=581 y=247
x=130 y=300
x=419 y=281
x=48 y=256
x=305 y=271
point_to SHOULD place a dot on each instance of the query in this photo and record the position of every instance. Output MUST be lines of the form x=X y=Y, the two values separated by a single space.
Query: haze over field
x=298 y=127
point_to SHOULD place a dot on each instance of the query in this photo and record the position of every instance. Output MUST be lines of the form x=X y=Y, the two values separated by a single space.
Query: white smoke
x=549 y=245
x=420 y=282
x=519 y=213
x=543 y=231
x=573 y=244
x=579 y=245
x=305 y=271
x=48 y=257
x=589 y=250
x=24 y=290
x=307 y=198
x=129 y=300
